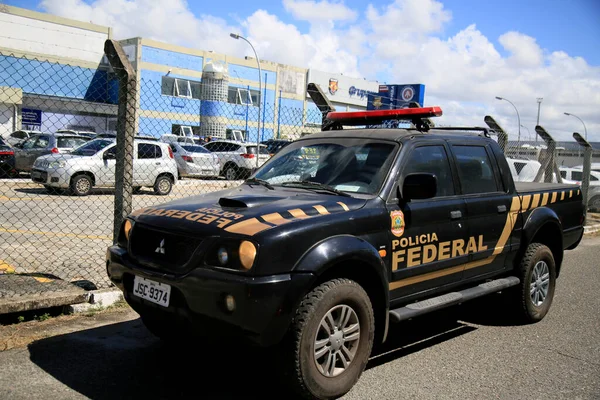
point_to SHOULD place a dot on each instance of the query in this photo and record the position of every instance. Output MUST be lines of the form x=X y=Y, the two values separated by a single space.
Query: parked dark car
x=274 y=145
x=46 y=143
x=7 y=160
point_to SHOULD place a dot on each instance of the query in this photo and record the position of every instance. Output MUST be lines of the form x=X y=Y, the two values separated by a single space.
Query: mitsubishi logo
x=161 y=248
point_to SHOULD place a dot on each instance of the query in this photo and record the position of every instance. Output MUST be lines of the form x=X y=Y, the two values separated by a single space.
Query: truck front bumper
x=264 y=306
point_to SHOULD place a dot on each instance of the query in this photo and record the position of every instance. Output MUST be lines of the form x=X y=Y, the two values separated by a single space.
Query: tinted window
x=28 y=144
x=70 y=142
x=42 y=142
x=146 y=150
x=433 y=160
x=19 y=135
x=112 y=151
x=195 y=149
x=252 y=150
x=92 y=147
x=475 y=170
x=563 y=174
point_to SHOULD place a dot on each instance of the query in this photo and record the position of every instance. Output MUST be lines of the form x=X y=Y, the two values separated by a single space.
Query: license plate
x=155 y=292
x=36 y=174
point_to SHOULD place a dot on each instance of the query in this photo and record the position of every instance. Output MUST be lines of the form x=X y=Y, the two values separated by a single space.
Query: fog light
x=222 y=255
x=230 y=302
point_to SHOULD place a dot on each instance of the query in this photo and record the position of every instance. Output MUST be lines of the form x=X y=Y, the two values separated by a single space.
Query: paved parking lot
x=473 y=351
x=67 y=236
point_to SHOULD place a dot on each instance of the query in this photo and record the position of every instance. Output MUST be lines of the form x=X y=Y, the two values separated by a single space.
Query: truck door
x=488 y=208
x=427 y=236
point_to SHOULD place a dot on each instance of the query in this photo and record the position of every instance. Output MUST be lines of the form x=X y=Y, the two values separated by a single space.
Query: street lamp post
x=518 y=120
x=584 y=128
x=236 y=36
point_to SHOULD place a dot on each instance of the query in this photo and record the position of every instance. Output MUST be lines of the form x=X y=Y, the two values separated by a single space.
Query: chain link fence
x=81 y=148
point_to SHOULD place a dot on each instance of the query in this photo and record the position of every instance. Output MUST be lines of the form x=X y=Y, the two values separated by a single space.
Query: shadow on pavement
x=124 y=360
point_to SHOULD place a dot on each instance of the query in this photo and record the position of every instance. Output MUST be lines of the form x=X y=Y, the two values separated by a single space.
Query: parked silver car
x=45 y=143
x=93 y=165
x=195 y=160
x=237 y=160
x=19 y=136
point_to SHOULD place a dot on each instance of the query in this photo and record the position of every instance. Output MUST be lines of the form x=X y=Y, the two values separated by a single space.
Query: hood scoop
x=247 y=201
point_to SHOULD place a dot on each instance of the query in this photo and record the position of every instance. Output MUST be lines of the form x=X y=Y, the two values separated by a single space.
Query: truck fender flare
x=541 y=217
x=329 y=252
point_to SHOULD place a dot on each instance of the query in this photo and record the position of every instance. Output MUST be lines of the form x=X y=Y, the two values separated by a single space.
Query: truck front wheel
x=330 y=340
x=537 y=273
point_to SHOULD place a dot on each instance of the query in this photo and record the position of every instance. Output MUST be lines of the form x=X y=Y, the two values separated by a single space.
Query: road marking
x=42 y=280
x=4 y=198
x=6 y=267
x=57 y=234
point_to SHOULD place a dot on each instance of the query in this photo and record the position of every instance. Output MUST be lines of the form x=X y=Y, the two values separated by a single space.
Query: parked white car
x=19 y=136
x=195 y=161
x=237 y=160
x=93 y=165
x=576 y=174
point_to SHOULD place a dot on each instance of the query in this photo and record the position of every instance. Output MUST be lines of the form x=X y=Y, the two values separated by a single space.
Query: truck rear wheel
x=537 y=273
x=330 y=340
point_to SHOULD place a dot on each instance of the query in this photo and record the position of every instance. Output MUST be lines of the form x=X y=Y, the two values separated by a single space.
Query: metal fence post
x=587 y=166
x=502 y=135
x=125 y=131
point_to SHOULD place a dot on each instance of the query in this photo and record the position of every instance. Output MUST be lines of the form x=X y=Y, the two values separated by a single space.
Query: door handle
x=455 y=214
x=157 y=163
x=501 y=209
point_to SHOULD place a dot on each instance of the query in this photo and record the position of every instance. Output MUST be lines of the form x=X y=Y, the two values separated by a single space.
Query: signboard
x=343 y=89
x=391 y=97
x=31 y=117
x=291 y=81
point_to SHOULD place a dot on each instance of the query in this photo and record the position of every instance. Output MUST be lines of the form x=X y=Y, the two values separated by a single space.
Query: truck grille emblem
x=161 y=248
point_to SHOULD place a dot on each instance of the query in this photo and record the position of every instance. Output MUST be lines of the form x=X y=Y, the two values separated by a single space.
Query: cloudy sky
x=466 y=52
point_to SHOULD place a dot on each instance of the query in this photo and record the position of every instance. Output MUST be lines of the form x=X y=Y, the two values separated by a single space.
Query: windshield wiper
x=315 y=185
x=260 y=182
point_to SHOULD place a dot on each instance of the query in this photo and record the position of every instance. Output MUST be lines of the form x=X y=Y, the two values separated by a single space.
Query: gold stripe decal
x=562 y=195
x=535 y=202
x=322 y=210
x=526 y=201
x=578 y=191
x=570 y=193
x=511 y=219
x=344 y=206
x=275 y=219
x=298 y=213
x=554 y=195
x=545 y=199
x=248 y=227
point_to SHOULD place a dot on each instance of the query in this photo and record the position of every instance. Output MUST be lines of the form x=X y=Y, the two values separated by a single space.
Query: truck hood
x=244 y=211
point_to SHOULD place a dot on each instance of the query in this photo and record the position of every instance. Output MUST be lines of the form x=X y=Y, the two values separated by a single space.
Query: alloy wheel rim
x=83 y=185
x=336 y=341
x=540 y=283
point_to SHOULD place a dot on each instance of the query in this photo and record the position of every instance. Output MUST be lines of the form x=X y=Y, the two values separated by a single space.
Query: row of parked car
x=76 y=162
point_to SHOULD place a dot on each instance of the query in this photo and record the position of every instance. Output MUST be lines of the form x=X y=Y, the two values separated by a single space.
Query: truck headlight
x=57 y=164
x=247 y=253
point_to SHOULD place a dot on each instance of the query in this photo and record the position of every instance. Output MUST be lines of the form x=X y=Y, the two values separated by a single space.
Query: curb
x=98 y=300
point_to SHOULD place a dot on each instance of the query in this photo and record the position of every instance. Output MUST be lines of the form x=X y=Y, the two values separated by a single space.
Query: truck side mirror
x=419 y=186
x=109 y=156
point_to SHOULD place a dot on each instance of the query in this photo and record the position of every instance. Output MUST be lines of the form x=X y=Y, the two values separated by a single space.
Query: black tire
x=594 y=204
x=163 y=185
x=231 y=172
x=535 y=255
x=136 y=189
x=299 y=357
x=81 y=185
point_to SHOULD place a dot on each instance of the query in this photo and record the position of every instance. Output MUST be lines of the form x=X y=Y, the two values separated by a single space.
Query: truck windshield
x=347 y=165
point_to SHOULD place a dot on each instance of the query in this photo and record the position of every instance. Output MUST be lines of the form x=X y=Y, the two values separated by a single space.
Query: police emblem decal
x=408 y=93
x=333 y=86
x=377 y=102
x=397 y=223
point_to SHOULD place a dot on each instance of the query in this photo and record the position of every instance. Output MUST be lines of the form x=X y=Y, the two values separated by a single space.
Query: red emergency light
x=373 y=117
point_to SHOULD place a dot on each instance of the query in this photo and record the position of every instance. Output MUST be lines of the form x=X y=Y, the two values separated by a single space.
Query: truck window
x=434 y=160
x=475 y=170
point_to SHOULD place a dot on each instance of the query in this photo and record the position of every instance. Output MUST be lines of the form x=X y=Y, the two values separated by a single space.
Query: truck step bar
x=450 y=299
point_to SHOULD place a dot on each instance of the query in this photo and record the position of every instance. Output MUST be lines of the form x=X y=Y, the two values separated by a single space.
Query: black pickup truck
x=340 y=234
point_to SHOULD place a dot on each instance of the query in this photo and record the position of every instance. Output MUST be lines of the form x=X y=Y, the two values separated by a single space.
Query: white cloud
x=402 y=42
x=308 y=10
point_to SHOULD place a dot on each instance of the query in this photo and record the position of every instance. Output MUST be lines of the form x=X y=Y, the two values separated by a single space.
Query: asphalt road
x=473 y=351
x=67 y=236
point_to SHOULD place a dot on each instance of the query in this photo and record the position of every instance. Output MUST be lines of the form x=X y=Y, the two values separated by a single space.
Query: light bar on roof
x=376 y=116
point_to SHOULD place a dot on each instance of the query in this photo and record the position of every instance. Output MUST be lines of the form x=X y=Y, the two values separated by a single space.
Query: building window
x=185 y=130
x=180 y=88
x=243 y=96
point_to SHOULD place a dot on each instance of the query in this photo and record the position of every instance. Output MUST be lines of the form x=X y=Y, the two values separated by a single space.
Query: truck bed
x=542 y=187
